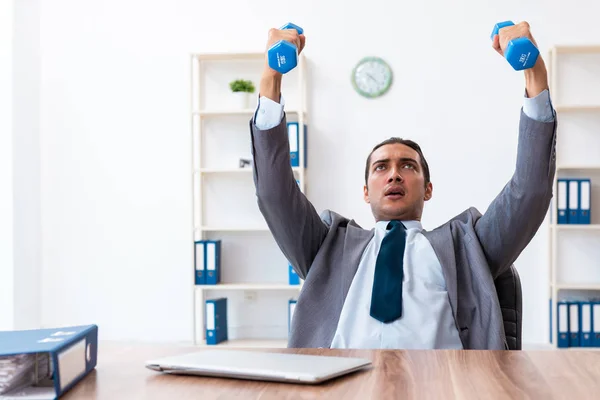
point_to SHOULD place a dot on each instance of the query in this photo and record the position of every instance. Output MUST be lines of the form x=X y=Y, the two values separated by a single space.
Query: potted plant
x=241 y=90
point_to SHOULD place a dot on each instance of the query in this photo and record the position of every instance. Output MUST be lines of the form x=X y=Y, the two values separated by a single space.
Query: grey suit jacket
x=472 y=248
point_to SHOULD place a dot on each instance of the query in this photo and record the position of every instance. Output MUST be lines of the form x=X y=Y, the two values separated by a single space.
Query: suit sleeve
x=515 y=215
x=290 y=216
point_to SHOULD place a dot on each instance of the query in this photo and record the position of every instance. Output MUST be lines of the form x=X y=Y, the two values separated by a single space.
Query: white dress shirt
x=427 y=321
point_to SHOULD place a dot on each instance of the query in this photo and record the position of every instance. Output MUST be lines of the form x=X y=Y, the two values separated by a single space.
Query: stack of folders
x=45 y=363
x=574 y=201
x=216 y=321
x=207 y=260
x=293 y=129
x=578 y=323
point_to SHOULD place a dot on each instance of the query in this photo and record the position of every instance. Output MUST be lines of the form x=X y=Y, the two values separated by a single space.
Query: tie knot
x=394 y=224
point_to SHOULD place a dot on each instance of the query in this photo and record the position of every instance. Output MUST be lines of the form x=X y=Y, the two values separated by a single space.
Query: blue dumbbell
x=283 y=55
x=520 y=53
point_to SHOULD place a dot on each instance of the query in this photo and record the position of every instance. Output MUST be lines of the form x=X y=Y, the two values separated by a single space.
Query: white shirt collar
x=381 y=225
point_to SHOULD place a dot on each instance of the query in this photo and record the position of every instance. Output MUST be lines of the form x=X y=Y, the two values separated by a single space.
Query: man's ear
x=428 y=191
x=366 y=194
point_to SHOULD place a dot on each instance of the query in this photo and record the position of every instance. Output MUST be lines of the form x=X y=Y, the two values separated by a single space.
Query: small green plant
x=241 y=85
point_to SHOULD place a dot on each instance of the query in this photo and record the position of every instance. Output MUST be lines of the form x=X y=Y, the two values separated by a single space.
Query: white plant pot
x=241 y=100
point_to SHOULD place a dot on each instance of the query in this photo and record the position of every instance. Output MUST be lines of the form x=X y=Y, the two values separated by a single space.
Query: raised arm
x=514 y=216
x=291 y=218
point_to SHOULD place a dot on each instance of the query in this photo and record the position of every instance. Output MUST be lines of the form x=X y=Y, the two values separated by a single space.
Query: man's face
x=396 y=185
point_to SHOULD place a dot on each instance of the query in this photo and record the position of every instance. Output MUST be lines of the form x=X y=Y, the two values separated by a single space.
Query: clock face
x=372 y=77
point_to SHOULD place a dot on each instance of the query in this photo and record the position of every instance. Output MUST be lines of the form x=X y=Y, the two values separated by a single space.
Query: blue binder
x=573 y=205
x=585 y=317
x=212 y=251
x=574 y=324
x=562 y=201
x=291 y=310
x=585 y=189
x=216 y=321
x=199 y=259
x=550 y=319
x=562 y=321
x=294 y=279
x=293 y=129
x=596 y=324
x=55 y=360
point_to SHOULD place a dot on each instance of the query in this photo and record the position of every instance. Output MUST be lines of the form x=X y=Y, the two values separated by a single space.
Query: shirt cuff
x=268 y=113
x=539 y=107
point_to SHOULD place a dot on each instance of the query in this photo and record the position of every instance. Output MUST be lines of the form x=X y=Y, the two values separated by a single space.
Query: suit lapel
x=356 y=241
x=443 y=245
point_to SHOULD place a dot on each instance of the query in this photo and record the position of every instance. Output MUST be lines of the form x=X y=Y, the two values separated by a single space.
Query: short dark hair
x=406 y=142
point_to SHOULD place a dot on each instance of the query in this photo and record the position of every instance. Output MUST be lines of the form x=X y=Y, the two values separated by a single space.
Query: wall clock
x=372 y=77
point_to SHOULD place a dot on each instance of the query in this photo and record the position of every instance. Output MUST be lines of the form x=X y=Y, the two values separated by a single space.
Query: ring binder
x=46 y=363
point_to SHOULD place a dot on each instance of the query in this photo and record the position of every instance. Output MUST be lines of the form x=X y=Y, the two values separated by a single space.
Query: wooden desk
x=545 y=374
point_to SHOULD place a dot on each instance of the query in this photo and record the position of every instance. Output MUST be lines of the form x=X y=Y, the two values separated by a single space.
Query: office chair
x=508 y=287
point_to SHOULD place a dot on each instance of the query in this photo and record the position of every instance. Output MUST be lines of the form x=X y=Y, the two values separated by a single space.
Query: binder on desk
x=596 y=324
x=200 y=269
x=46 y=363
x=574 y=327
x=213 y=261
x=563 y=195
x=586 y=324
x=293 y=129
x=585 y=188
x=291 y=309
x=216 y=321
x=573 y=205
x=562 y=321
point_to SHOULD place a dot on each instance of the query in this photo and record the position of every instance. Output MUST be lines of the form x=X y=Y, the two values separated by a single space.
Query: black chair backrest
x=508 y=287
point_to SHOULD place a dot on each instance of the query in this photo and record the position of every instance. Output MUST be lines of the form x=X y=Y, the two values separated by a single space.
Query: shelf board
x=235 y=228
x=250 y=343
x=576 y=227
x=249 y=286
x=242 y=112
x=578 y=168
x=229 y=56
x=231 y=170
x=578 y=108
x=578 y=286
x=577 y=49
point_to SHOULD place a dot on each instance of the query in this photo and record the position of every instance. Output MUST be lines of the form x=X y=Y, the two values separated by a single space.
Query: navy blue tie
x=386 y=298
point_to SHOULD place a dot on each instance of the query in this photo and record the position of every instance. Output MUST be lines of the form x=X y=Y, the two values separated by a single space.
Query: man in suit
x=398 y=285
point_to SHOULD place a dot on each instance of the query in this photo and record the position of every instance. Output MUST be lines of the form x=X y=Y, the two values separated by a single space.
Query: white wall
x=6 y=167
x=115 y=133
x=27 y=183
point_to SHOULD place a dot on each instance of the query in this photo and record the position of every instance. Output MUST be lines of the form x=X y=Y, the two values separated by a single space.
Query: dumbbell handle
x=520 y=53
x=289 y=25
x=499 y=26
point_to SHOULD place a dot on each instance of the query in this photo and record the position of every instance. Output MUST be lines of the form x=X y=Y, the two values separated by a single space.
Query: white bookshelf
x=254 y=273
x=575 y=249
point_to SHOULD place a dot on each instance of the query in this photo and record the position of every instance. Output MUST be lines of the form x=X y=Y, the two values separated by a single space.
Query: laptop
x=257 y=365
